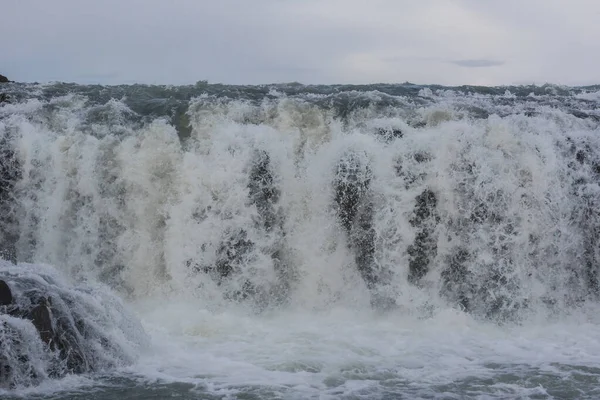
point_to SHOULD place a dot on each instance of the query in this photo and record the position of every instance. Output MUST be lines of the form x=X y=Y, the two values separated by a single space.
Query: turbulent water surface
x=296 y=242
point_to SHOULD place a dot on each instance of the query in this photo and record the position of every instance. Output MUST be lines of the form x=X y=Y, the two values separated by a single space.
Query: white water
x=132 y=209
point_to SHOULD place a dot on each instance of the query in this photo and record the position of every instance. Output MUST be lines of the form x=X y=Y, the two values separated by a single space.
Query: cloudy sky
x=482 y=42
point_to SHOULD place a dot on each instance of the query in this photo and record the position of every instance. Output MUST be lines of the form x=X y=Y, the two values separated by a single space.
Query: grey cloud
x=477 y=63
x=310 y=41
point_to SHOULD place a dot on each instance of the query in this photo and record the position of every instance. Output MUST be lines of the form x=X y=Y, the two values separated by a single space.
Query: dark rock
x=10 y=173
x=456 y=282
x=5 y=294
x=231 y=254
x=422 y=157
x=263 y=192
x=424 y=248
x=353 y=203
x=41 y=317
x=237 y=249
x=3 y=79
x=362 y=241
x=64 y=343
x=4 y=98
x=351 y=187
x=389 y=134
x=425 y=206
x=468 y=284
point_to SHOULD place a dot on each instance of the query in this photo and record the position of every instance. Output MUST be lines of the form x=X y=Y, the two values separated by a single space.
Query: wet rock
x=3 y=79
x=580 y=156
x=5 y=294
x=591 y=255
x=425 y=206
x=351 y=189
x=231 y=254
x=424 y=248
x=10 y=173
x=263 y=192
x=41 y=317
x=456 y=279
x=353 y=204
x=237 y=250
x=389 y=134
x=43 y=336
x=587 y=159
x=485 y=290
x=264 y=195
x=422 y=157
x=362 y=241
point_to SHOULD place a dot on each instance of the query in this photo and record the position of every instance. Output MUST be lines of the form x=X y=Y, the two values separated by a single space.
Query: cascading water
x=260 y=217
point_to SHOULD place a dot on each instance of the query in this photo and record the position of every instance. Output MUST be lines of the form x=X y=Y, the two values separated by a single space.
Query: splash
x=358 y=199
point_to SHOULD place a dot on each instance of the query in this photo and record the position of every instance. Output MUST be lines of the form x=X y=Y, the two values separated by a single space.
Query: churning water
x=295 y=242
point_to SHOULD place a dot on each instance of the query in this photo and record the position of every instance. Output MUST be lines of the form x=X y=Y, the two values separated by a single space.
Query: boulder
x=6 y=298
x=3 y=79
x=41 y=317
x=49 y=329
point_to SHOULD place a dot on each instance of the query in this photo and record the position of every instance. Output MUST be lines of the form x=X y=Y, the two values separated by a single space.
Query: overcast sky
x=481 y=42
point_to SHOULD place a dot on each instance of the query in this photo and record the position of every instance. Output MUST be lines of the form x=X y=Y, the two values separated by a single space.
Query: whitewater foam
x=225 y=238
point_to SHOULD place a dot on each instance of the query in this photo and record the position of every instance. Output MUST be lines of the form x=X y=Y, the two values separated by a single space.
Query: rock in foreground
x=49 y=329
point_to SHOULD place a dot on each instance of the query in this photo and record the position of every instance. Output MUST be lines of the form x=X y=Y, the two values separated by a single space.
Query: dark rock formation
x=587 y=173
x=44 y=331
x=263 y=193
x=351 y=191
x=468 y=284
x=236 y=249
x=389 y=134
x=353 y=204
x=3 y=79
x=456 y=278
x=231 y=254
x=5 y=294
x=40 y=315
x=424 y=248
x=10 y=173
x=54 y=325
x=354 y=208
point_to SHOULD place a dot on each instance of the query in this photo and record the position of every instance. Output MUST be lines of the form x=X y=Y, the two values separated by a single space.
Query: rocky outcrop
x=424 y=248
x=6 y=298
x=55 y=327
x=48 y=330
x=354 y=208
x=353 y=204
x=238 y=248
x=3 y=79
